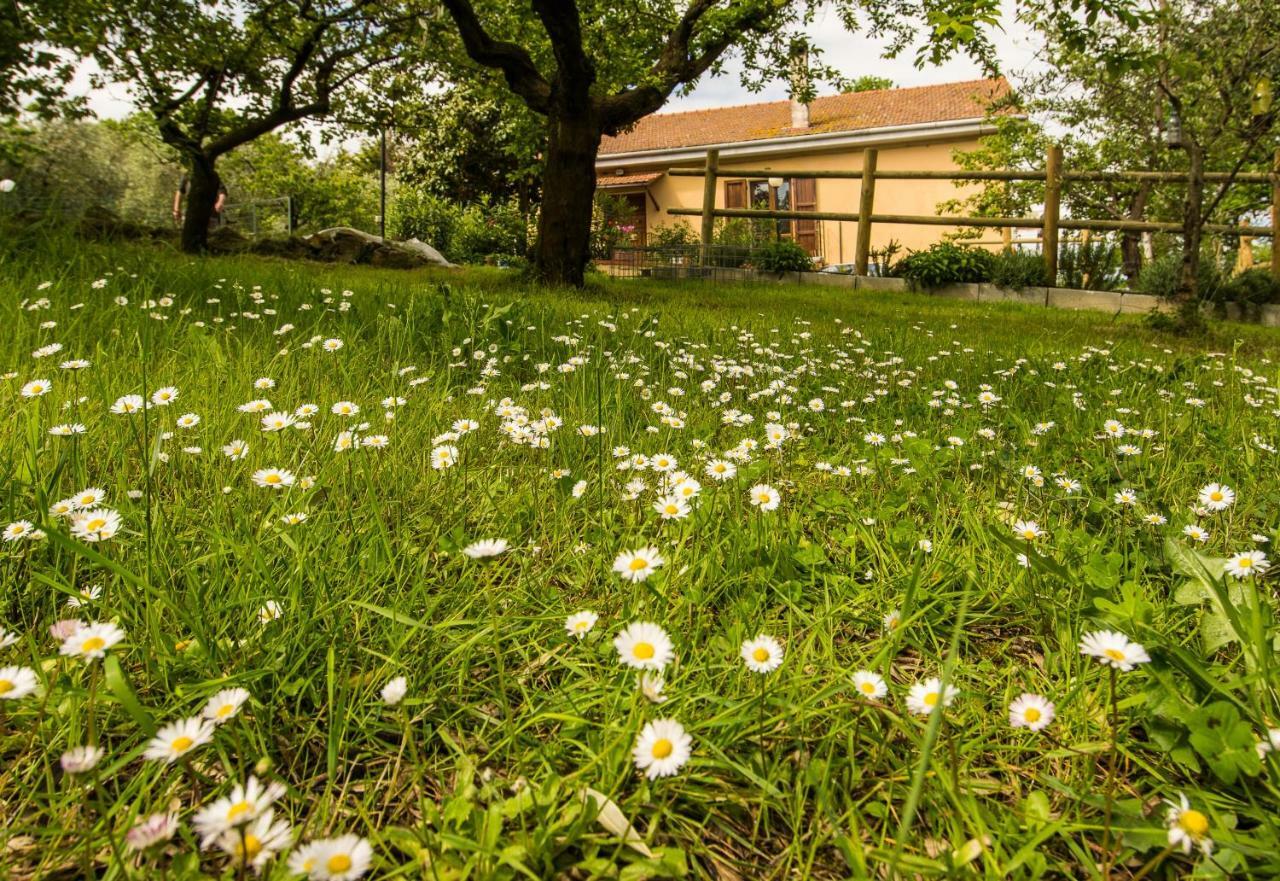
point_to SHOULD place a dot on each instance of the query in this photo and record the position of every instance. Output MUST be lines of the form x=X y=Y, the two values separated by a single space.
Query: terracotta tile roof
x=835 y=113
x=627 y=180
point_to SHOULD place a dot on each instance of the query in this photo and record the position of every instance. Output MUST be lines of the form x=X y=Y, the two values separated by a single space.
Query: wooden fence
x=1049 y=223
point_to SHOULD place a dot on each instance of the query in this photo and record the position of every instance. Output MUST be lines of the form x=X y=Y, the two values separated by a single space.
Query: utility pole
x=382 y=175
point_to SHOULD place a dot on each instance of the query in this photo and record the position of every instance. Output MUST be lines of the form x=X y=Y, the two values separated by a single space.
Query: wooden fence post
x=866 y=201
x=1052 y=201
x=1275 y=216
x=709 y=204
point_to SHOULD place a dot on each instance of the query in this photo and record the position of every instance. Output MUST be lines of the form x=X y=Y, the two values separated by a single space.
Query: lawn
x=1007 y=567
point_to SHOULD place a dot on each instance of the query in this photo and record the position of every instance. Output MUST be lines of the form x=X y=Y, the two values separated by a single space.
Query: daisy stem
x=244 y=855
x=1109 y=789
x=101 y=801
x=89 y=705
x=1152 y=864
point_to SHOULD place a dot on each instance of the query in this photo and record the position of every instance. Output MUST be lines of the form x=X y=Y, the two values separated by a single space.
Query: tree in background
x=471 y=145
x=215 y=77
x=870 y=83
x=1192 y=95
x=335 y=191
x=594 y=67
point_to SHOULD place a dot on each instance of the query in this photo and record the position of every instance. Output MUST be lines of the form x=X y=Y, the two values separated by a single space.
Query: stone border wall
x=1058 y=298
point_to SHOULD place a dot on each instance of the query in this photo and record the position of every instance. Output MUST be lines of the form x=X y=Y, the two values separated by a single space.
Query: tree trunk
x=568 y=191
x=202 y=192
x=1188 y=276
x=1130 y=241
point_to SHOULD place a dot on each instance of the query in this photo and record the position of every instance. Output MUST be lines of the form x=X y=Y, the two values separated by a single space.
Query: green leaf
x=122 y=691
x=809 y=555
x=1215 y=631
x=1224 y=741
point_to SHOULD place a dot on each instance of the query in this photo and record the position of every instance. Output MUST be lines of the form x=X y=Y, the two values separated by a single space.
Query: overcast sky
x=853 y=54
x=857 y=55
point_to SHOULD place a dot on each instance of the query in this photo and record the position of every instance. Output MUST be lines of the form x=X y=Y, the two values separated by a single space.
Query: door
x=804 y=197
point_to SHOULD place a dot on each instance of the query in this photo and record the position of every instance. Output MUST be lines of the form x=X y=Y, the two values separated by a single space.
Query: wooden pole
x=1006 y=239
x=866 y=199
x=1052 y=202
x=709 y=204
x=1275 y=217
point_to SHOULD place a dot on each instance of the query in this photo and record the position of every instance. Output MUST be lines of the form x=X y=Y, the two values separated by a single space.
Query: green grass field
x=952 y=486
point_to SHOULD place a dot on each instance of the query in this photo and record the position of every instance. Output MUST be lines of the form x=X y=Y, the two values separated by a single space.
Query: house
x=913 y=129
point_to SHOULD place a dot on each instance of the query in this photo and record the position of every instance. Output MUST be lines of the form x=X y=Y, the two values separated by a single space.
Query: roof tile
x=848 y=112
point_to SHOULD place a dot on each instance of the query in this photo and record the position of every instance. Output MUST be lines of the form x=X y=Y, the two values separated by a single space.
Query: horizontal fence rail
x=1001 y=222
x=1049 y=223
x=1168 y=177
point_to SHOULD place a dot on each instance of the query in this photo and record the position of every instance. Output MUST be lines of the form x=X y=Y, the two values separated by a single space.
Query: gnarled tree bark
x=578 y=118
x=202 y=194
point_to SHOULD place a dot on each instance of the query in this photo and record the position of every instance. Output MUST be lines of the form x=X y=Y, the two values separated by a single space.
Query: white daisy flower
x=662 y=748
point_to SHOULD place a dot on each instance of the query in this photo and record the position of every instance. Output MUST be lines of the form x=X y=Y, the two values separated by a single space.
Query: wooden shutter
x=804 y=197
x=735 y=194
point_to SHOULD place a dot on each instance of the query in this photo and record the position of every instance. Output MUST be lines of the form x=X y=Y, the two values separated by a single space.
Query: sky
x=854 y=55
x=857 y=55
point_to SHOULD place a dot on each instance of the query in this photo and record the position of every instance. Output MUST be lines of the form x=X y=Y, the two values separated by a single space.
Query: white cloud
x=857 y=55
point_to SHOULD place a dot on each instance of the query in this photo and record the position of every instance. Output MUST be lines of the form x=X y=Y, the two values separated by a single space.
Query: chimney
x=800 y=86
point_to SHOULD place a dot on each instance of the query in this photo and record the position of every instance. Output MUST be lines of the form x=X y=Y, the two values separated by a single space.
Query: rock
x=420 y=247
x=343 y=244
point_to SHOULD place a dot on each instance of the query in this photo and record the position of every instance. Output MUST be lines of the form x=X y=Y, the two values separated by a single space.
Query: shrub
x=610 y=214
x=1017 y=270
x=732 y=238
x=675 y=235
x=782 y=257
x=946 y=263
x=1094 y=266
x=1160 y=277
x=1252 y=287
x=488 y=231
x=416 y=213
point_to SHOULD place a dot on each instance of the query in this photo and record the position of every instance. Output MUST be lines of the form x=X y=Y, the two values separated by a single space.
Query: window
x=792 y=194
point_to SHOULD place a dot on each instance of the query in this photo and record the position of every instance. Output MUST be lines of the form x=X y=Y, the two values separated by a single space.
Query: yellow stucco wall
x=892 y=196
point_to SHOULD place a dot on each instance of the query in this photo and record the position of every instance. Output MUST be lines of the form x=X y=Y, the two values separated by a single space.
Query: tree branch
x=512 y=60
x=678 y=64
x=576 y=73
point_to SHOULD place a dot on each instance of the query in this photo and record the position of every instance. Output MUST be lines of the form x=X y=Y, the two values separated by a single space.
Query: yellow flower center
x=251 y=847
x=761 y=655
x=637 y=564
x=1193 y=823
x=868 y=687
x=931 y=699
x=339 y=862
x=1031 y=714
x=672 y=509
x=1028 y=533
x=643 y=651
x=226 y=710
x=92 y=644
x=6 y=686
x=272 y=478
x=237 y=810
x=181 y=744
x=1245 y=562
x=762 y=498
x=95 y=524
x=1216 y=496
x=662 y=748
x=1114 y=654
